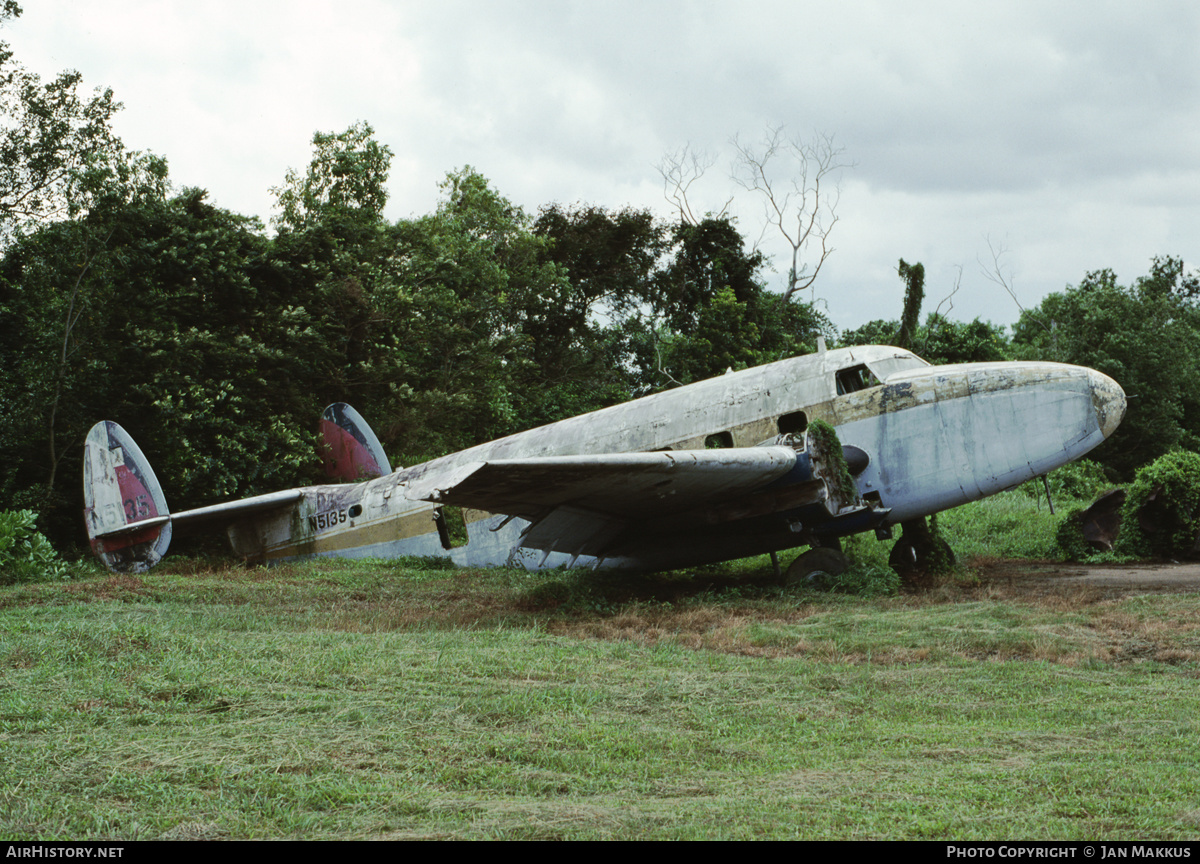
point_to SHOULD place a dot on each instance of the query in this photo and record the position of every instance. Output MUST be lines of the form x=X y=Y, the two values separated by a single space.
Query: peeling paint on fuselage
x=936 y=437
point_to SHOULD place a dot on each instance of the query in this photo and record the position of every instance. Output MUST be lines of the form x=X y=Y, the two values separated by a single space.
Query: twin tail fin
x=128 y=524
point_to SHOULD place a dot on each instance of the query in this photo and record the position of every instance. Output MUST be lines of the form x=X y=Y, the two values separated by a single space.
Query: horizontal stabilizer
x=133 y=527
x=231 y=511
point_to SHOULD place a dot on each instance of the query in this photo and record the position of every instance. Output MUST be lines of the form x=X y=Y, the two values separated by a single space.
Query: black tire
x=913 y=559
x=815 y=567
x=904 y=558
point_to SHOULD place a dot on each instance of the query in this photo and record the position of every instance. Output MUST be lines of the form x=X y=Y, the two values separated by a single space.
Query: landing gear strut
x=919 y=552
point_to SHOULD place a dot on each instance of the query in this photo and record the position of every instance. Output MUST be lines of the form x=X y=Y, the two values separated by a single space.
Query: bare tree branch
x=995 y=273
x=679 y=171
x=804 y=209
x=949 y=298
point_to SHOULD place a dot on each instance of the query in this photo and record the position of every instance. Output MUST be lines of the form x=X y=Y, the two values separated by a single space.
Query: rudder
x=128 y=524
x=352 y=452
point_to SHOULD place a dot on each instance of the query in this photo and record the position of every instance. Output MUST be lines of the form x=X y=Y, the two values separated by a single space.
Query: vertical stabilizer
x=126 y=514
x=352 y=452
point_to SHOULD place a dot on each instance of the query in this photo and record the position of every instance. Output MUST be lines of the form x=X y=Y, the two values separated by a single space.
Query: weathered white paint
x=583 y=491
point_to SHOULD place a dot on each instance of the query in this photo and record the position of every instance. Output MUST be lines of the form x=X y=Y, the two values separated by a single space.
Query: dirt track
x=1111 y=578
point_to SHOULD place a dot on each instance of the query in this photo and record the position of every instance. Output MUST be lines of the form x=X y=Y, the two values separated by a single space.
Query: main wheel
x=913 y=559
x=815 y=567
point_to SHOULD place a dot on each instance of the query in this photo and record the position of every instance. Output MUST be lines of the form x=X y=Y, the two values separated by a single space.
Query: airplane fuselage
x=933 y=438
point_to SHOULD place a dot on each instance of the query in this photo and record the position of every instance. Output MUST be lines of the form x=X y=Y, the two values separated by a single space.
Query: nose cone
x=1108 y=399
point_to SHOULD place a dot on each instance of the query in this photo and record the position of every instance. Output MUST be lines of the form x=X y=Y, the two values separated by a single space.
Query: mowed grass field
x=394 y=700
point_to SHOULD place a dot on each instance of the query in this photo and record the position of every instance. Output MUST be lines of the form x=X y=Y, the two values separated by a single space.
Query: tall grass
x=364 y=700
x=1009 y=525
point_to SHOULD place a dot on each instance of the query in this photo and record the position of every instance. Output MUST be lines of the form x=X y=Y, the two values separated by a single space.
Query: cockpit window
x=855 y=378
x=889 y=366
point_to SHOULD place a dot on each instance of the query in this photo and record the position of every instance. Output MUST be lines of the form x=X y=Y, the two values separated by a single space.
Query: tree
x=346 y=178
x=914 y=295
x=943 y=341
x=679 y=170
x=803 y=209
x=709 y=311
x=179 y=329
x=939 y=340
x=794 y=180
x=732 y=333
x=59 y=156
x=463 y=293
x=332 y=243
x=610 y=260
x=1145 y=336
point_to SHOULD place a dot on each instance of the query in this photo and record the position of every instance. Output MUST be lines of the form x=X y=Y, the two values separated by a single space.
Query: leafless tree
x=802 y=208
x=995 y=272
x=679 y=171
x=949 y=298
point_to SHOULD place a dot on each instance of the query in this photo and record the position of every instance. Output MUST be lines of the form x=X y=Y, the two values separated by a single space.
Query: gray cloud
x=1067 y=131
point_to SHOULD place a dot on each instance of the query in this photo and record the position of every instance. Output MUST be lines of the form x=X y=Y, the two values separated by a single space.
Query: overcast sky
x=1065 y=133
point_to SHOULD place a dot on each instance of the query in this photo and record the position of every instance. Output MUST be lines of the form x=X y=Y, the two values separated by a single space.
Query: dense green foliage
x=1069 y=536
x=1146 y=336
x=1161 y=516
x=25 y=554
x=939 y=340
x=1079 y=481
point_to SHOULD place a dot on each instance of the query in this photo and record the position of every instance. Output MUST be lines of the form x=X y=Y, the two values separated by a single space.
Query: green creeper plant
x=823 y=443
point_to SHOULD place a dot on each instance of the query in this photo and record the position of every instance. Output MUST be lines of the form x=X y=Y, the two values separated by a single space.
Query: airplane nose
x=1108 y=400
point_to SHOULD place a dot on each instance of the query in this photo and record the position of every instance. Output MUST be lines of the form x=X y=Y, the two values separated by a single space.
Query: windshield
x=888 y=366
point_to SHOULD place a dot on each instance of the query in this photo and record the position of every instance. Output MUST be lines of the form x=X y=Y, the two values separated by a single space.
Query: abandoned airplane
x=734 y=466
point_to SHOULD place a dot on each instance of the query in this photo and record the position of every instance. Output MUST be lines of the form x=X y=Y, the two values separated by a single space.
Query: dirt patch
x=1097 y=626
x=1102 y=580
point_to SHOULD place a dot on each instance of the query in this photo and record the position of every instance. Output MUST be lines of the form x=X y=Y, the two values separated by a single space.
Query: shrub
x=1082 y=481
x=1161 y=516
x=25 y=554
x=1070 y=537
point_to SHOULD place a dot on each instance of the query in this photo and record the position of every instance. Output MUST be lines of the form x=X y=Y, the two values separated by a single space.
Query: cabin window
x=793 y=423
x=855 y=378
x=718 y=441
x=355 y=511
x=451 y=527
